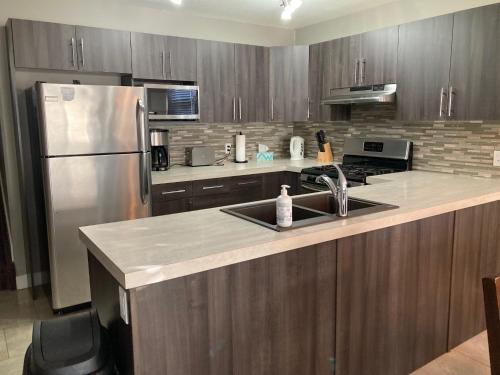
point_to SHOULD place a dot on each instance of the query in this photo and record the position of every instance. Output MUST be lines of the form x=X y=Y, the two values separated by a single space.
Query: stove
x=363 y=158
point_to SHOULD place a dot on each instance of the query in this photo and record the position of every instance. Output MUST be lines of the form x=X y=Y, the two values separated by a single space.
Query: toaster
x=198 y=156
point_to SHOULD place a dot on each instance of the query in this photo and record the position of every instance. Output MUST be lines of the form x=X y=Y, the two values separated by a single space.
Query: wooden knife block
x=327 y=155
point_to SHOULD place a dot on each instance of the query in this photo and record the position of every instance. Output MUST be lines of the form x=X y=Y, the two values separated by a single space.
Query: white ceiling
x=267 y=12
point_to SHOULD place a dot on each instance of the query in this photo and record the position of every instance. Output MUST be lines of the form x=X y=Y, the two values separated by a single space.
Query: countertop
x=150 y=250
x=229 y=169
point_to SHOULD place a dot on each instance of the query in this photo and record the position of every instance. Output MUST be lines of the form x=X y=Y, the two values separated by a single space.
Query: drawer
x=170 y=192
x=211 y=187
x=172 y=207
x=248 y=182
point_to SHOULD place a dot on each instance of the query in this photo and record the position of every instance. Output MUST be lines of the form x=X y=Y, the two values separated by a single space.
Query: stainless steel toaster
x=198 y=156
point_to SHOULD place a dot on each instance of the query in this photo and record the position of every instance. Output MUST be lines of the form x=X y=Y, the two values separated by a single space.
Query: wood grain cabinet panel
x=216 y=78
x=272 y=315
x=44 y=45
x=181 y=59
x=103 y=51
x=423 y=68
x=148 y=56
x=252 y=83
x=476 y=255
x=393 y=297
x=475 y=64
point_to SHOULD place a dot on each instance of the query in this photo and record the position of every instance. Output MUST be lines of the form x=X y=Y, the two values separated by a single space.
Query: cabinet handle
x=442 y=110
x=213 y=187
x=362 y=74
x=83 y=53
x=308 y=108
x=239 y=105
x=234 y=109
x=170 y=64
x=272 y=109
x=163 y=64
x=451 y=95
x=248 y=182
x=73 y=52
x=173 y=192
x=356 y=67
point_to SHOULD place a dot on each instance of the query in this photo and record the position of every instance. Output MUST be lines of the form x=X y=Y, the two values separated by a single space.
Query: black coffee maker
x=159 y=150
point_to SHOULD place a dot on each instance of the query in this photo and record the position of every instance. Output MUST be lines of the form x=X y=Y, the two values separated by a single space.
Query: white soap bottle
x=284 y=208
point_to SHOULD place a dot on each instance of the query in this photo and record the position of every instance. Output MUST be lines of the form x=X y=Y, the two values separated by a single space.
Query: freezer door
x=86 y=120
x=87 y=190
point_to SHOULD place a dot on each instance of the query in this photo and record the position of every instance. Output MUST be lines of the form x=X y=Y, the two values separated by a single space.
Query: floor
x=470 y=358
x=17 y=312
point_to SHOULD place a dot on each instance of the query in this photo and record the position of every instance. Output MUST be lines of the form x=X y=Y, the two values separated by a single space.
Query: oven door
x=173 y=102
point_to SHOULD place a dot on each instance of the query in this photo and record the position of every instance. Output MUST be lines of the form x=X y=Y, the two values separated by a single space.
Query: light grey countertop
x=229 y=169
x=150 y=250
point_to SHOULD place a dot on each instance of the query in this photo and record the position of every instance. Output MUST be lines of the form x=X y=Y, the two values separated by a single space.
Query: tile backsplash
x=275 y=136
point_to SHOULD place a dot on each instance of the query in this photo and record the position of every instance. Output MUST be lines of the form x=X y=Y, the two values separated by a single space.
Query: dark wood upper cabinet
x=216 y=78
x=180 y=59
x=103 y=51
x=44 y=45
x=252 y=83
x=378 y=54
x=148 y=56
x=423 y=68
x=288 y=83
x=475 y=64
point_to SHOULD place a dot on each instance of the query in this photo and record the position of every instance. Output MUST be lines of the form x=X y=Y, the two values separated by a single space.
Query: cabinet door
x=289 y=75
x=379 y=56
x=475 y=255
x=181 y=59
x=423 y=68
x=44 y=45
x=148 y=56
x=216 y=79
x=475 y=64
x=393 y=297
x=252 y=83
x=104 y=51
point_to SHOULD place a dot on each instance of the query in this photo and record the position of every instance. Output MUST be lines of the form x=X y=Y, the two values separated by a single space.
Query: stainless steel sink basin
x=307 y=210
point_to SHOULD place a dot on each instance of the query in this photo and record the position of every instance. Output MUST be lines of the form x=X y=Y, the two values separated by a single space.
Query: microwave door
x=173 y=102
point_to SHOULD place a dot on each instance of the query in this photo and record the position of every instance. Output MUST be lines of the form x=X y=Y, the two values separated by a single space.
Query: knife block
x=327 y=155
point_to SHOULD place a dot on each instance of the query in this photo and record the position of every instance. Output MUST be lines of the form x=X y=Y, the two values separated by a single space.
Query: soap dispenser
x=284 y=208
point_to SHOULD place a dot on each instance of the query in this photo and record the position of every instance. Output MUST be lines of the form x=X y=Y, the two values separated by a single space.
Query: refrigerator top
x=89 y=120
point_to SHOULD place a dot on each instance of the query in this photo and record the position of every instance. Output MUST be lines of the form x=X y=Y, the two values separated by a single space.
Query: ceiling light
x=176 y=2
x=289 y=6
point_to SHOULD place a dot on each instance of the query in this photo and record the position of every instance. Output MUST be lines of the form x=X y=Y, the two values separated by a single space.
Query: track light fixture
x=289 y=6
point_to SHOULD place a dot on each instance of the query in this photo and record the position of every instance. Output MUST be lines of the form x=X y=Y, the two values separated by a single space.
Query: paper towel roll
x=241 y=155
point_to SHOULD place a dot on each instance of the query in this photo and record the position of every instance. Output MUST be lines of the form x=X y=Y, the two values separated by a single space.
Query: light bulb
x=176 y=2
x=290 y=7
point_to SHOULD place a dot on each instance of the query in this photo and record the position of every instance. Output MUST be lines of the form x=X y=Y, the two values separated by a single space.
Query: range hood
x=362 y=95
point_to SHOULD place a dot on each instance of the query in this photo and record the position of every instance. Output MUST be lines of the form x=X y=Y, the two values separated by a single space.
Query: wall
x=391 y=14
x=454 y=147
x=275 y=136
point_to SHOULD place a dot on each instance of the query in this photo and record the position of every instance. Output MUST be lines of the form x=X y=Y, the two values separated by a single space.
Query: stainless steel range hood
x=362 y=95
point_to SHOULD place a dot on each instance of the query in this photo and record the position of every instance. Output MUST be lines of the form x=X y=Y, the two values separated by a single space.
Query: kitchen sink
x=306 y=210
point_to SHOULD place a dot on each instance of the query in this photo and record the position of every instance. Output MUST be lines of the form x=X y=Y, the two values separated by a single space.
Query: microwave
x=172 y=102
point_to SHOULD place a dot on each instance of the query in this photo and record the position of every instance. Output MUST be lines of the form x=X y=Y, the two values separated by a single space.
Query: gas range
x=363 y=158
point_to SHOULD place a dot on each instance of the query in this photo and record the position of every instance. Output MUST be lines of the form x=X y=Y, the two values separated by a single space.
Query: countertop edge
x=136 y=279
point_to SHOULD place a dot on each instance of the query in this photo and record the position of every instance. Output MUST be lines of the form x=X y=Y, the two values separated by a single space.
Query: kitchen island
x=209 y=293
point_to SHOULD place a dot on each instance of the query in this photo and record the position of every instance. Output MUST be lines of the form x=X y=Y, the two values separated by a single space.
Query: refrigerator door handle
x=141 y=125
x=144 y=176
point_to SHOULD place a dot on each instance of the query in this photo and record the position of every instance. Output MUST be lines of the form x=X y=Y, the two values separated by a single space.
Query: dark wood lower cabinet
x=393 y=297
x=476 y=255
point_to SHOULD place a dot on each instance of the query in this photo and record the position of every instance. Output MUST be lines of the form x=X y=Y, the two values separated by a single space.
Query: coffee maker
x=159 y=150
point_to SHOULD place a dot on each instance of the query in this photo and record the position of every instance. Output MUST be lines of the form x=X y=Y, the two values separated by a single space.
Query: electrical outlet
x=227 y=148
x=496 y=159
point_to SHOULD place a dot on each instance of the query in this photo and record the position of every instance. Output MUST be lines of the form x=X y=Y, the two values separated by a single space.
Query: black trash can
x=74 y=344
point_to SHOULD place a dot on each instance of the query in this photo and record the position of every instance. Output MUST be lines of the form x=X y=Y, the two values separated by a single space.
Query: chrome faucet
x=339 y=190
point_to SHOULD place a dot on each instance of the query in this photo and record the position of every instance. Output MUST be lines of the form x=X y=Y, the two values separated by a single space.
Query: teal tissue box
x=265 y=156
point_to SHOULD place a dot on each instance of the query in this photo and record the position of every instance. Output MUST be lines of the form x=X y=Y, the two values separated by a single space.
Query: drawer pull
x=248 y=182
x=213 y=187
x=173 y=192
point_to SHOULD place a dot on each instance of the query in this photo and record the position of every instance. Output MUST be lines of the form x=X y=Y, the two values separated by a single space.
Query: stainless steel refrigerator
x=96 y=169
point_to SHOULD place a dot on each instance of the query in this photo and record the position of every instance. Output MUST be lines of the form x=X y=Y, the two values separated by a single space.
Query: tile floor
x=17 y=312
